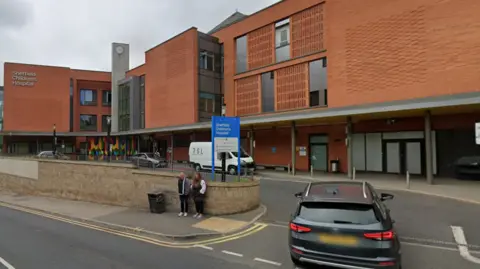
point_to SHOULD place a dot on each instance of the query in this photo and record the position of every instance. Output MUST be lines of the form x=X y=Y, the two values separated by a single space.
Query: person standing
x=183 y=193
x=199 y=187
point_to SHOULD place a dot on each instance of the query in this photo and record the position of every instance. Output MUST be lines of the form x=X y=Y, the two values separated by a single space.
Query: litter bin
x=334 y=164
x=156 y=201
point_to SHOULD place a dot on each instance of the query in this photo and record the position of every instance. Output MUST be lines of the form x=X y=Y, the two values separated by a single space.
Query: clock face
x=119 y=49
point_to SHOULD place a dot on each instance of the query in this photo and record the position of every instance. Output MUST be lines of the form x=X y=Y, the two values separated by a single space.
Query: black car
x=343 y=225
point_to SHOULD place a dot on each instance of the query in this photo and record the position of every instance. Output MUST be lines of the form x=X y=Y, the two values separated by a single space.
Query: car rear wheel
x=232 y=170
x=198 y=168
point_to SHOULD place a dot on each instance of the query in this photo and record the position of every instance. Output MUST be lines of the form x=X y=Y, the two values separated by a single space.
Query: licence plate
x=339 y=239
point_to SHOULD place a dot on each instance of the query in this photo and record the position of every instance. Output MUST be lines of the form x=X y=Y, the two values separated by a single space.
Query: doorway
x=401 y=156
x=318 y=150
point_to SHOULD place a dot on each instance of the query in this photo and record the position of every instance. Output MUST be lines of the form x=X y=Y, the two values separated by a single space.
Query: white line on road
x=267 y=261
x=202 y=246
x=232 y=253
x=6 y=264
x=459 y=236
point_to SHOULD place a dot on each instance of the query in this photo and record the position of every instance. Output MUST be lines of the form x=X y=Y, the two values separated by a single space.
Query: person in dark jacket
x=199 y=187
x=183 y=193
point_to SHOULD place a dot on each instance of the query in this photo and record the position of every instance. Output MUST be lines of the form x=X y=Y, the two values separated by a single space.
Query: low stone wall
x=117 y=184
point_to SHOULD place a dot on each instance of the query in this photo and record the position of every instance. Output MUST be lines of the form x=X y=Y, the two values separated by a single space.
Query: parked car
x=49 y=154
x=467 y=167
x=149 y=160
x=344 y=225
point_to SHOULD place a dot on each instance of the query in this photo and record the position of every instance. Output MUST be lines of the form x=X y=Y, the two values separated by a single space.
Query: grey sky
x=79 y=33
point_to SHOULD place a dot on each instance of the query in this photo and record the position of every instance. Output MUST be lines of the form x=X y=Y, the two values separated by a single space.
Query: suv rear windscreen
x=341 y=213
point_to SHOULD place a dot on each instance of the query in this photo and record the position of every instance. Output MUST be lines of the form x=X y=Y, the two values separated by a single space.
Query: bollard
x=354 y=172
x=408 y=179
x=311 y=171
x=289 y=169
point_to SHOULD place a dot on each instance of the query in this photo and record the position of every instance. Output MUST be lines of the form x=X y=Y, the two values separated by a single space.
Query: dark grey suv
x=344 y=225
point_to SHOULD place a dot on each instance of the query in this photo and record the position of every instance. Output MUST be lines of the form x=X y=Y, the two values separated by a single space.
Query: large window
x=88 y=97
x=124 y=107
x=106 y=98
x=88 y=122
x=105 y=123
x=142 y=102
x=282 y=40
x=318 y=82
x=207 y=61
x=241 y=54
x=268 y=95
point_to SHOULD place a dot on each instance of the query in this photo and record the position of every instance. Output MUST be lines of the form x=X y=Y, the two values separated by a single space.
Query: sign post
x=225 y=138
x=477 y=133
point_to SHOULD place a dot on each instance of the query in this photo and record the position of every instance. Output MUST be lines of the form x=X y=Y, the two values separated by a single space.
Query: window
x=206 y=60
x=282 y=40
x=88 y=122
x=105 y=123
x=142 y=102
x=347 y=213
x=241 y=54
x=268 y=95
x=124 y=107
x=207 y=102
x=88 y=97
x=318 y=82
x=107 y=98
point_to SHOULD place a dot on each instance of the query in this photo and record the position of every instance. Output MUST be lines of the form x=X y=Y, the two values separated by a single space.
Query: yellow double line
x=253 y=229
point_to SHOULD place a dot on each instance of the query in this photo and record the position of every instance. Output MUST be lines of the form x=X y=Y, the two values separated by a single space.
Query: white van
x=200 y=155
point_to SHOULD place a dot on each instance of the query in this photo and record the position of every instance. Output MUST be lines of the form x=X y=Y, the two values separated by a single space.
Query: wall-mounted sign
x=25 y=79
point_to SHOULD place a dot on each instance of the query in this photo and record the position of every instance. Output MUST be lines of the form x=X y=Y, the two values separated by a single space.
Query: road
x=33 y=242
x=423 y=222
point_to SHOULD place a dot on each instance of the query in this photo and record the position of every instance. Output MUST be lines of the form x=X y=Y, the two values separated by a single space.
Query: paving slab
x=221 y=225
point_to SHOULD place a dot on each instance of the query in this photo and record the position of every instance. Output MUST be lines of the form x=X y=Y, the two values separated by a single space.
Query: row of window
x=88 y=97
x=317 y=86
x=89 y=122
x=282 y=46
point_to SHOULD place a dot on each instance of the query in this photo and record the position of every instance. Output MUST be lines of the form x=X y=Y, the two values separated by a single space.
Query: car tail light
x=299 y=229
x=388 y=235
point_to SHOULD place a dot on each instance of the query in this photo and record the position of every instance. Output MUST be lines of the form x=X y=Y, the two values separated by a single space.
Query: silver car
x=148 y=160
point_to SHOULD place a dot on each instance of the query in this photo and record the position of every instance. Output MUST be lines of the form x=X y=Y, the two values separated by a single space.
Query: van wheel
x=198 y=168
x=232 y=170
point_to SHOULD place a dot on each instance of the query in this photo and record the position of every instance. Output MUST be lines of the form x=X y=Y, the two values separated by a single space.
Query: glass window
x=206 y=60
x=142 y=101
x=268 y=93
x=105 y=123
x=207 y=102
x=282 y=40
x=318 y=82
x=107 y=98
x=88 y=97
x=345 y=213
x=241 y=54
x=124 y=107
x=88 y=122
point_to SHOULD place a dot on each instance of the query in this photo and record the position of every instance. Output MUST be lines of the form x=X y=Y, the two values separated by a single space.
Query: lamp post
x=109 y=124
x=54 y=147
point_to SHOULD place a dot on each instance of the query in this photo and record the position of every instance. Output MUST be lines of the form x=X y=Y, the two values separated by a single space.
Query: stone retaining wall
x=118 y=184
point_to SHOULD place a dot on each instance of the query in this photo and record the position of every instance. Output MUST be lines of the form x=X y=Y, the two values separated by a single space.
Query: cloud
x=79 y=33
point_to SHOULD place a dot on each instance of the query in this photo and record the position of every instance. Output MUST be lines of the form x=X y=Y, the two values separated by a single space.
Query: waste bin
x=334 y=164
x=156 y=201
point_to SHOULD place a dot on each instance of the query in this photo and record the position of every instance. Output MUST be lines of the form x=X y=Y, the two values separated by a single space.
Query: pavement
x=167 y=225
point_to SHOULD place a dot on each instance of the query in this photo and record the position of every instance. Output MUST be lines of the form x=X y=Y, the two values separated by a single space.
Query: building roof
x=234 y=18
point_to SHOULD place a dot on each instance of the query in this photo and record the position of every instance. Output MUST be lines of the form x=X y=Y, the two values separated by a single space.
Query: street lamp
x=109 y=124
x=54 y=147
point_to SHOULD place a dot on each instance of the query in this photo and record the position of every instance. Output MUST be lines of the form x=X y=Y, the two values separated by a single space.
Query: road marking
x=267 y=261
x=202 y=246
x=6 y=264
x=459 y=236
x=232 y=253
x=255 y=228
